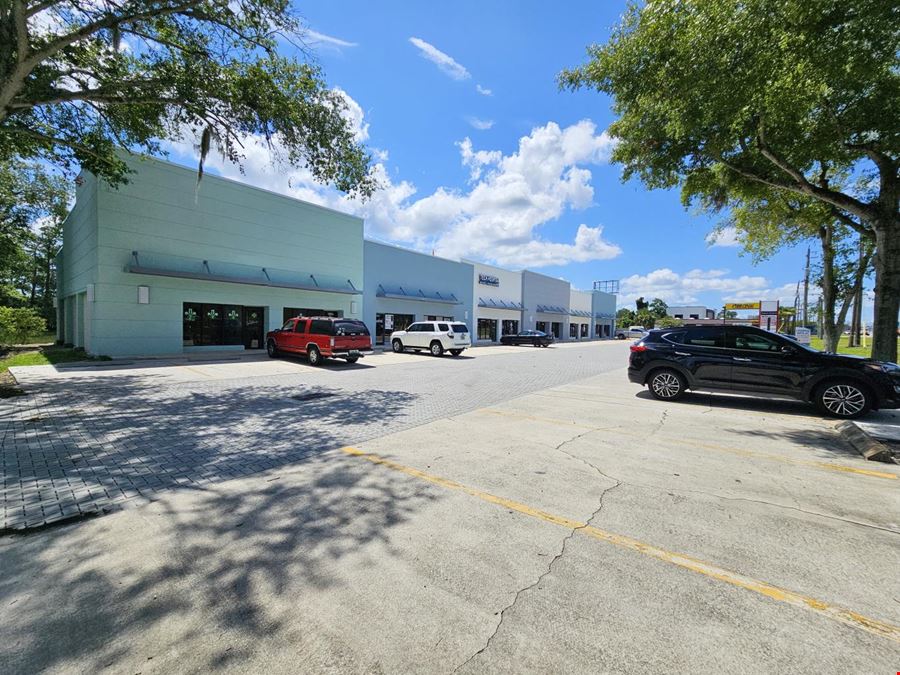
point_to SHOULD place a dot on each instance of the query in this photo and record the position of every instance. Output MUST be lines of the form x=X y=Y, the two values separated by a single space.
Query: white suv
x=435 y=336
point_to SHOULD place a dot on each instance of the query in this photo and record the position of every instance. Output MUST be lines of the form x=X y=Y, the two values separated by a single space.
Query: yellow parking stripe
x=829 y=466
x=820 y=607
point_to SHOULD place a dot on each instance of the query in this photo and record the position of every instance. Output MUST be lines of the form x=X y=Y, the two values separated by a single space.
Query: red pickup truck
x=320 y=337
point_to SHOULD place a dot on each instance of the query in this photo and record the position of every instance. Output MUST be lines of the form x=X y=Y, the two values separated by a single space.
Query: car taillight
x=638 y=348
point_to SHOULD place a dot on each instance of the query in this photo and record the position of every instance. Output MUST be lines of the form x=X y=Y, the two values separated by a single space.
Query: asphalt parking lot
x=517 y=511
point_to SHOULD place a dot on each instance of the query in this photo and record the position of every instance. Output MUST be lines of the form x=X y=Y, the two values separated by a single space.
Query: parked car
x=631 y=332
x=319 y=338
x=748 y=360
x=435 y=336
x=535 y=338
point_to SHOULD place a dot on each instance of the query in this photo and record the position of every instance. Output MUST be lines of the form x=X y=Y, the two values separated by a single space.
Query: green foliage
x=703 y=87
x=17 y=324
x=625 y=317
x=80 y=79
x=33 y=204
x=668 y=322
x=645 y=318
x=658 y=308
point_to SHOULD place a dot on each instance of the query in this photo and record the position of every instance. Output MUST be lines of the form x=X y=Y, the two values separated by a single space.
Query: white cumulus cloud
x=716 y=286
x=484 y=91
x=725 y=237
x=447 y=64
x=497 y=216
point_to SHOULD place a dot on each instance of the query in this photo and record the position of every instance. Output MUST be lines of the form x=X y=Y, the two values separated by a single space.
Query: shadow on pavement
x=118 y=438
x=237 y=558
x=737 y=402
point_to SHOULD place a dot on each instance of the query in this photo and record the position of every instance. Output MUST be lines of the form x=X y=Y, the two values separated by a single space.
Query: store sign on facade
x=388 y=321
x=488 y=280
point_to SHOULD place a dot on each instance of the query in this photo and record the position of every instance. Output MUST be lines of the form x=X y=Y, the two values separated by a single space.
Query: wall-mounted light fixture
x=353 y=306
x=143 y=295
x=89 y=294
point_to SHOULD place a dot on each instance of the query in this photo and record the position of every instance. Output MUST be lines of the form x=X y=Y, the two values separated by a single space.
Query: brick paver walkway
x=78 y=446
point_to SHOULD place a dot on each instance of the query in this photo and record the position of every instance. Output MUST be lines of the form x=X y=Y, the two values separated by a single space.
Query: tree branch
x=838 y=199
x=861 y=229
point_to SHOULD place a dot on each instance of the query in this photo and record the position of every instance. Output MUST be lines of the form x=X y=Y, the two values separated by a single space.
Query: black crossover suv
x=747 y=360
x=528 y=337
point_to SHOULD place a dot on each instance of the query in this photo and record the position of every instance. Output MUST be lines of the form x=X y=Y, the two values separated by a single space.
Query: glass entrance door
x=253 y=328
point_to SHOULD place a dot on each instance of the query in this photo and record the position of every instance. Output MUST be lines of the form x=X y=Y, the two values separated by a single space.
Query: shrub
x=17 y=324
x=669 y=322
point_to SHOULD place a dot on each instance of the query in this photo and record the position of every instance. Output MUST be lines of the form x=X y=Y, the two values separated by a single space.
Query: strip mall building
x=163 y=266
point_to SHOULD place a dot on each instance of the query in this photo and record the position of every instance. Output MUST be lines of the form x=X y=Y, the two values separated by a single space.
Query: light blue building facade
x=403 y=286
x=165 y=265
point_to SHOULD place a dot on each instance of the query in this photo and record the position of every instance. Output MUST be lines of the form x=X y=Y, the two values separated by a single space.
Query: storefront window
x=556 y=329
x=573 y=330
x=385 y=324
x=213 y=324
x=584 y=330
x=541 y=326
x=434 y=317
x=509 y=327
x=487 y=329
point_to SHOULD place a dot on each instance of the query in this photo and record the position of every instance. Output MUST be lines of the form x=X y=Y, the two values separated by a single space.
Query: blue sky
x=482 y=157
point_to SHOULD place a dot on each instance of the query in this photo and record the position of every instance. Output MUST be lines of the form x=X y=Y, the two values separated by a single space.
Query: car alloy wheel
x=315 y=358
x=437 y=349
x=666 y=385
x=397 y=346
x=844 y=400
x=271 y=349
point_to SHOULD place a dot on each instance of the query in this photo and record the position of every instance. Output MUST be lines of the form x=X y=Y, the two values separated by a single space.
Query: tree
x=767 y=221
x=624 y=318
x=658 y=308
x=644 y=318
x=33 y=204
x=79 y=79
x=792 y=96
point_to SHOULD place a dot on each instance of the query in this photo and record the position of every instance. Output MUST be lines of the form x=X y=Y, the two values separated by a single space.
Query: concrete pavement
x=582 y=527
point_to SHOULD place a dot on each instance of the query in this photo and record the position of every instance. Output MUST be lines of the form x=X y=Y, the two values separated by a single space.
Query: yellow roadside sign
x=742 y=305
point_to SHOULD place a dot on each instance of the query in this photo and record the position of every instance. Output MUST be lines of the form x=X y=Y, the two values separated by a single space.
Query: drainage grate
x=313 y=395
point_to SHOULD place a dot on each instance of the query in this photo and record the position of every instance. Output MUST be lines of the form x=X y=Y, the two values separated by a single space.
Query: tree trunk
x=887 y=291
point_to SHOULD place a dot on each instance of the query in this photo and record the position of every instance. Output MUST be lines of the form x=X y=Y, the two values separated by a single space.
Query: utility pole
x=806 y=292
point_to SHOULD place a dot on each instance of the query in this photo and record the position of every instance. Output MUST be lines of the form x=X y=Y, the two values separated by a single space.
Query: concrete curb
x=864 y=444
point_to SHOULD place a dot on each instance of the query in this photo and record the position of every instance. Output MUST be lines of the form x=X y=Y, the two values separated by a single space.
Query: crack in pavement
x=558 y=556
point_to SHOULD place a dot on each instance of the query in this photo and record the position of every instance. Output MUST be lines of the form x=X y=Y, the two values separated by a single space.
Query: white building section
x=497 y=304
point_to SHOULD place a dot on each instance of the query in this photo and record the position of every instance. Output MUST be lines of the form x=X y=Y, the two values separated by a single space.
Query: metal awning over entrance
x=552 y=309
x=164 y=265
x=402 y=293
x=581 y=312
x=492 y=303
